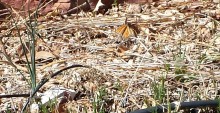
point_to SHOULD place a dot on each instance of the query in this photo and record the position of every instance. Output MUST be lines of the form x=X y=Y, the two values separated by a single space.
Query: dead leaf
x=41 y=56
x=23 y=49
x=121 y=50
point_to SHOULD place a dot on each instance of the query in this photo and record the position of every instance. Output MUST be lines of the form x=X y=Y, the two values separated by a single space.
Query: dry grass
x=183 y=49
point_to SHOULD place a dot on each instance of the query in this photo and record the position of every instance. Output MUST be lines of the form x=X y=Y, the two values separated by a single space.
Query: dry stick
x=76 y=8
x=9 y=62
x=58 y=62
x=4 y=12
x=14 y=65
x=26 y=19
x=132 y=80
x=5 y=53
x=57 y=56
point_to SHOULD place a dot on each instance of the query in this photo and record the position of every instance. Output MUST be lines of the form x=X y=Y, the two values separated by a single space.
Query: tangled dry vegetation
x=174 y=57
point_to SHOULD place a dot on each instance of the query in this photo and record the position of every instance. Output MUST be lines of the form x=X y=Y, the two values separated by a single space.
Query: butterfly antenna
x=126 y=20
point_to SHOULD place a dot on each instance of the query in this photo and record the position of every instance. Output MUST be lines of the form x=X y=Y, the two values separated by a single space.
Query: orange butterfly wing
x=129 y=32
x=120 y=30
x=126 y=31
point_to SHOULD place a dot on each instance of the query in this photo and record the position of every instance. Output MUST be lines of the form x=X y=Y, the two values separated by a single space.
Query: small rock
x=34 y=108
x=55 y=93
x=134 y=8
x=216 y=1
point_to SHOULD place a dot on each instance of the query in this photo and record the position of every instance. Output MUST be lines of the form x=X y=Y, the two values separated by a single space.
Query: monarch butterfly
x=126 y=30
